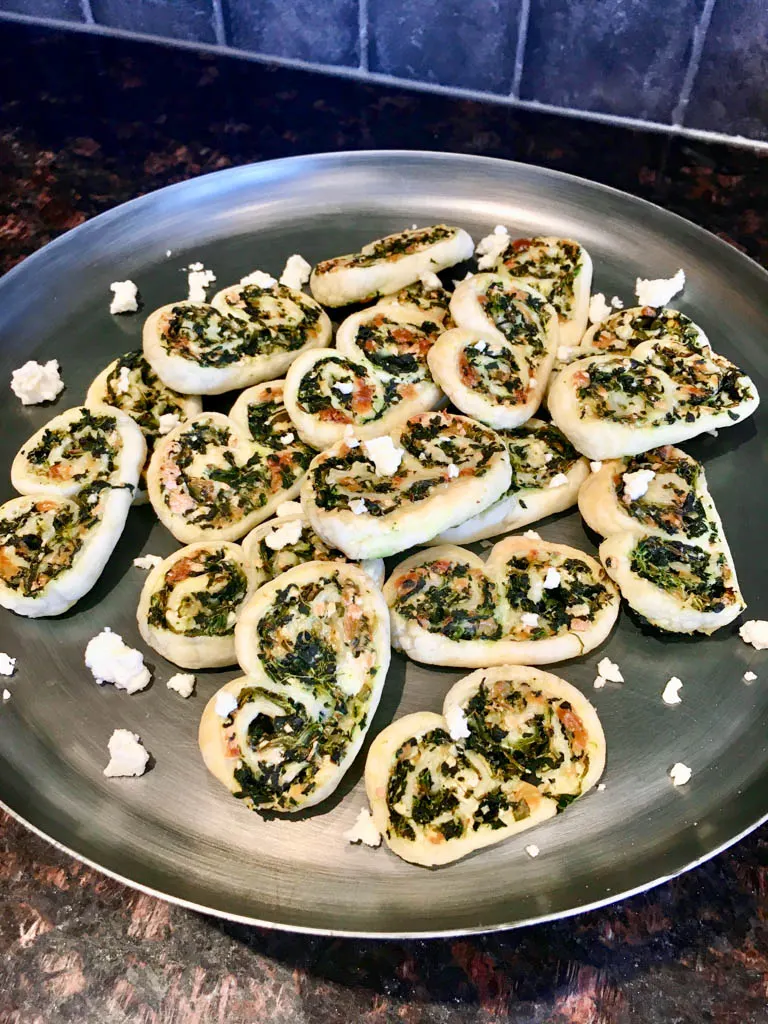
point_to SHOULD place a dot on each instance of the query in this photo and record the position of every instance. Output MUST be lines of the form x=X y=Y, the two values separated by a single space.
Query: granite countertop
x=86 y=123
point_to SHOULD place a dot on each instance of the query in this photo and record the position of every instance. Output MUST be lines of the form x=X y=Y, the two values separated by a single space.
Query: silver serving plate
x=175 y=832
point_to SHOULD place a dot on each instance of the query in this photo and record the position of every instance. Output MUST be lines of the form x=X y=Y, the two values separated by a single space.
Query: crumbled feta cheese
x=349 y=437
x=453 y=471
x=680 y=773
x=295 y=272
x=112 y=661
x=636 y=484
x=529 y=619
x=599 y=682
x=7 y=665
x=358 y=506
x=414 y=227
x=37 y=382
x=714 y=432
x=564 y=352
x=183 y=683
x=363 y=830
x=287 y=438
x=552 y=579
x=147 y=561
x=93 y=498
x=601 y=787
x=536 y=590
x=127 y=756
x=595 y=466
x=288 y=508
x=617 y=303
x=671 y=692
x=491 y=247
x=6 y=694
x=750 y=677
x=282 y=536
x=344 y=387
x=168 y=253
x=599 y=309
x=123 y=384
x=166 y=422
x=225 y=703
x=198 y=281
x=659 y=291
x=481 y=345
x=532 y=850
x=755 y=632
x=385 y=456
x=123 y=297
x=430 y=280
x=610 y=671
x=558 y=480
x=259 y=278
x=532 y=535
x=456 y=720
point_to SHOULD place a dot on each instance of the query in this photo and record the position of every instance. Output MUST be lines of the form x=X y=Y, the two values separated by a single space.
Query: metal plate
x=175 y=832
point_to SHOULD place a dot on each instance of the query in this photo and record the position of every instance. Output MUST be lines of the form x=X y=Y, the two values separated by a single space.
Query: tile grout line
x=87 y=12
x=522 y=39
x=694 y=63
x=411 y=85
x=362 y=18
x=218 y=23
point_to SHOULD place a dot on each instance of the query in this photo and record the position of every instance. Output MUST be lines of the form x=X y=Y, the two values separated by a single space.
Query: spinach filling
x=397 y=349
x=683 y=511
x=554 y=272
x=211 y=609
x=508 y=313
x=462 y=605
x=628 y=377
x=147 y=398
x=579 y=587
x=522 y=442
x=495 y=371
x=393 y=247
x=91 y=434
x=698 y=577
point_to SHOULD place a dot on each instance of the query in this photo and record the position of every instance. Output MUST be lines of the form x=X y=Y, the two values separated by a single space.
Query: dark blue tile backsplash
x=465 y=43
x=689 y=65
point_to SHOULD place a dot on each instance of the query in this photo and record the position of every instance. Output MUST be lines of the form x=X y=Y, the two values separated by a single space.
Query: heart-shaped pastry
x=215 y=477
x=532 y=602
x=84 y=445
x=54 y=548
x=496 y=365
x=388 y=264
x=547 y=472
x=288 y=540
x=665 y=545
x=315 y=645
x=560 y=270
x=664 y=392
x=373 y=381
x=375 y=498
x=247 y=334
x=513 y=747
x=130 y=384
x=191 y=600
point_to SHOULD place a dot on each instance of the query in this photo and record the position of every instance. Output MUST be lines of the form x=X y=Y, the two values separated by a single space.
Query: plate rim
x=340 y=158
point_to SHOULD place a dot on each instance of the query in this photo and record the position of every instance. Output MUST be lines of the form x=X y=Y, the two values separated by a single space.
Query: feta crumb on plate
x=123 y=297
x=599 y=309
x=7 y=665
x=127 y=756
x=198 y=281
x=636 y=484
x=295 y=272
x=282 y=536
x=755 y=632
x=601 y=787
x=671 y=692
x=491 y=247
x=288 y=508
x=458 y=729
x=617 y=303
x=260 y=278
x=749 y=677
x=225 y=704
x=6 y=694
x=385 y=456
x=680 y=773
x=147 y=561
x=610 y=671
x=558 y=480
x=532 y=850
x=183 y=683
x=167 y=422
x=659 y=291
x=363 y=830
x=358 y=506
x=344 y=387
x=112 y=661
x=37 y=382
x=595 y=466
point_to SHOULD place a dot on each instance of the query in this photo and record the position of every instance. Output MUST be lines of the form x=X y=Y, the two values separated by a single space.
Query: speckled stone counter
x=86 y=124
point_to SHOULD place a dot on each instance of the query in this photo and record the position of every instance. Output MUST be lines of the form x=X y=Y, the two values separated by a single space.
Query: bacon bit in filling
x=334 y=416
x=470 y=378
x=579 y=625
x=575 y=727
x=362 y=399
